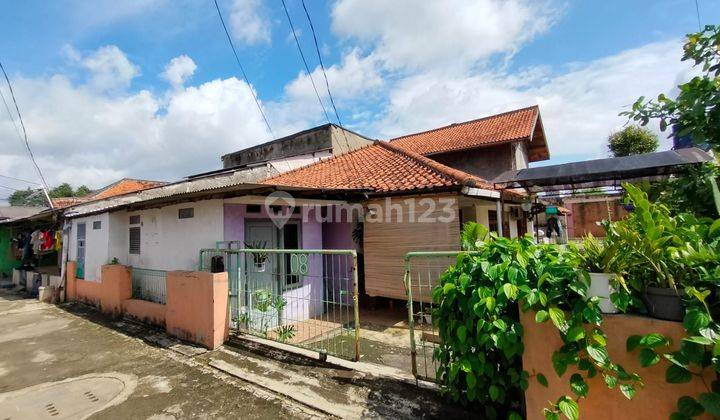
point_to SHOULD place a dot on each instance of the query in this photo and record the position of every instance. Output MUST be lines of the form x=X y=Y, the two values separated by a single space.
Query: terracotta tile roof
x=62 y=202
x=496 y=129
x=124 y=186
x=380 y=167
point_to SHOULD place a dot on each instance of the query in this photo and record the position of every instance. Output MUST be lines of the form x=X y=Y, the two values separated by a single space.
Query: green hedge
x=477 y=315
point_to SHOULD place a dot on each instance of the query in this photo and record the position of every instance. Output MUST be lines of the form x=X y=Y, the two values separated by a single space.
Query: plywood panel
x=386 y=242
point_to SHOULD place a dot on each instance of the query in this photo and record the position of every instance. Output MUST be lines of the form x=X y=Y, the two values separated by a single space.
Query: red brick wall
x=586 y=215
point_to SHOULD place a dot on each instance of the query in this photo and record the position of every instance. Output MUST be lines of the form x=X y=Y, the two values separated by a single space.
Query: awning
x=602 y=172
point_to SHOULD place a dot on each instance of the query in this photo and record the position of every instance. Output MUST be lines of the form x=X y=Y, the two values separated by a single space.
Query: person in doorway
x=553 y=225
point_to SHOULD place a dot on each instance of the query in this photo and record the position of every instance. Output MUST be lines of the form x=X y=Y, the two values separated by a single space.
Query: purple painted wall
x=302 y=302
x=234 y=222
x=338 y=235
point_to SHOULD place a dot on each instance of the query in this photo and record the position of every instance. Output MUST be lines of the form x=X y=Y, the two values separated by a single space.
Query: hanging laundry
x=58 y=240
x=48 y=239
x=36 y=240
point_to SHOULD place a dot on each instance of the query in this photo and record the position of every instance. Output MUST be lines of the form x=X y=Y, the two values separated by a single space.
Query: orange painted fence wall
x=657 y=400
x=196 y=308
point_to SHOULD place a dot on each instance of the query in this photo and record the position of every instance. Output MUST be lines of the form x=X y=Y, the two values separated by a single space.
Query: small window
x=97 y=225
x=492 y=221
x=187 y=213
x=253 y=208
x=135 y=220
x=134 y=240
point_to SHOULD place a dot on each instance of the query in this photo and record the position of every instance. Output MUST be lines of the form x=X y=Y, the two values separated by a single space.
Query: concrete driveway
x=70 y=361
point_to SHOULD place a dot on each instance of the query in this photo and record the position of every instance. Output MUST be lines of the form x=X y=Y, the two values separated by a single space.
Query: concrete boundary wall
x=196 y=308
x=657 y=400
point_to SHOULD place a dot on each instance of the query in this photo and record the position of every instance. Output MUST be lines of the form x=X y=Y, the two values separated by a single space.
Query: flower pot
x=664 y=303
x=600 y=287
x=260 y=267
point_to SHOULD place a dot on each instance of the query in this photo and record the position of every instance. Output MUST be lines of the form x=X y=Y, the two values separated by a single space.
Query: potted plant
x=602 y=262
x=664 y=253
x=259 y=258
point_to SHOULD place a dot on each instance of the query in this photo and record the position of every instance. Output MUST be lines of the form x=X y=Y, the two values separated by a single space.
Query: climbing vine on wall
x=477 y=316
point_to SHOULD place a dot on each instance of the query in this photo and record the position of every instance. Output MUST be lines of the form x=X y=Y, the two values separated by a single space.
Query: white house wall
x=96 y=244
x=168 y=242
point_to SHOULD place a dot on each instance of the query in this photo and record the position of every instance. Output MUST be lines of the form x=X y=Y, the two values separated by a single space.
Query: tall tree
x=36 y=198
x=28 y=197
x=696 y=110
x=62 y=190
x=632 y=140
x=82 y=191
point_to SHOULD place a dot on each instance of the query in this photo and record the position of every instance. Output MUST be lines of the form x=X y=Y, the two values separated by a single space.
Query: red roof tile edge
x=462 y=178
x=537 y=107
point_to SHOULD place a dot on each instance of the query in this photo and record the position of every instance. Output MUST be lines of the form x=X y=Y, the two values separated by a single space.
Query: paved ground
x=56 y=359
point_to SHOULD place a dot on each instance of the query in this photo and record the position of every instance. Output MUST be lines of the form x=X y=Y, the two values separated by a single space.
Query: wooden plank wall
x=387 y=242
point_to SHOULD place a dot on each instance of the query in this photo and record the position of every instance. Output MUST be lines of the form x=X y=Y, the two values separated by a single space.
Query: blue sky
x=149 y=88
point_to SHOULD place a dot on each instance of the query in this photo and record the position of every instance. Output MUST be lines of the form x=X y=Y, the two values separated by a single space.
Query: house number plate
x=299 y=264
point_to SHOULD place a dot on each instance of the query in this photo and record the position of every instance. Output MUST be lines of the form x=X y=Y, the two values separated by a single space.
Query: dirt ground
x=56 y=359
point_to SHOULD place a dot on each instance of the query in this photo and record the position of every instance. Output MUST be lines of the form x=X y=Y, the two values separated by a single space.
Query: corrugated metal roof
x=602 y=172
x=244 y=178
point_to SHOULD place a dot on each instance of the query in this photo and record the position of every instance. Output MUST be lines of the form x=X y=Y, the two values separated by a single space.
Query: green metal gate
x=422 y=271
x=306 y=298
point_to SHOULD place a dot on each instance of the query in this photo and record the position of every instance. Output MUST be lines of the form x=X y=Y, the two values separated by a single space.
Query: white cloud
x=579 y=106
x=249 y=23
x=109 y=67
x=82 y=135
x=178 y=70
x=451 y=34
x=354 y=76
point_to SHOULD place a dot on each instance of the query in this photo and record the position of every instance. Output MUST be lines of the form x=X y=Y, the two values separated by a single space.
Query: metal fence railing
x=149 y=285
x=422 y=271
x=305 y=298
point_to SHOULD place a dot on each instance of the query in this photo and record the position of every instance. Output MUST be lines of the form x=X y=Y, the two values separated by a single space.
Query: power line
x=27 y=143
x=20 y=179
x=9 y=188
x=322 y=67
x=307 y=68
x=242 y=70
x=697 y=10
x=10 y=115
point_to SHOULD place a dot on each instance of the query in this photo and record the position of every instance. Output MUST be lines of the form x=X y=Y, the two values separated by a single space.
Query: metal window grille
x=97 y=225
x=134 y=240
x=135 y=220
x=149 y=285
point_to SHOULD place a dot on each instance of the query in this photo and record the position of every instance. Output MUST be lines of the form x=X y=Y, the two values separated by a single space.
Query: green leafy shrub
x=477 y=317
x=676 y=251
x=661 y=249
x=658 y=247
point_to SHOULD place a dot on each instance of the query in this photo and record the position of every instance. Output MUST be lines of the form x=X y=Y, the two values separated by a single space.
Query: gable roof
x=522 y=124
x=123 y=186
x=382 y=168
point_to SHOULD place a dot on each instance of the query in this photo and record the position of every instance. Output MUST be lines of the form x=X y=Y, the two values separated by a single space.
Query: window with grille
x=134 y=240
x=97 y=225
x=187 y=213
x=135 y=220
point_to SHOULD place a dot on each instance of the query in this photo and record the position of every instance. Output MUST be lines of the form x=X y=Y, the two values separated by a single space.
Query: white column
x=499 y=209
